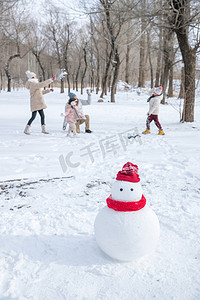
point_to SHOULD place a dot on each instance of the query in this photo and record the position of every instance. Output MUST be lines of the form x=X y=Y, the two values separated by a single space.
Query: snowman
x=127 y=228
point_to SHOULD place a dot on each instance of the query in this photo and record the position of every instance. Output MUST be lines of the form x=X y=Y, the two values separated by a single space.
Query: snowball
x=127 y=235
x=126 y=191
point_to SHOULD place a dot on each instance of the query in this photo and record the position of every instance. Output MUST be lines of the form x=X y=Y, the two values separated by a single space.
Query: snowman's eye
x=131 y=189
x=121 y=189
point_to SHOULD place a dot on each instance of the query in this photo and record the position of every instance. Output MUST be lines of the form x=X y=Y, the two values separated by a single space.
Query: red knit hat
x=129 y=173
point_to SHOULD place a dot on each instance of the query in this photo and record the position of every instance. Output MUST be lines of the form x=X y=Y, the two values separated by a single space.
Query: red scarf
x=126 y=206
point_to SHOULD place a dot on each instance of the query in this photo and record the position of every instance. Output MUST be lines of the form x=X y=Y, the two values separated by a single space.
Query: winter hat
x=71 y=95
x=129 y=173
x=157 y=91
x=30 y=74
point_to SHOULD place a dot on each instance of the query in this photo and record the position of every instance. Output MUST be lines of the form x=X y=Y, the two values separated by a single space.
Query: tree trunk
x=66 y=63
x=8 y=80
x=1 y=87
x=98 y=70
x=164 y=78
x=77 y=74
x=149 y=56
x=161 y=73
x=98 y=76
x=98 y=65
x=181 y=21
x=76 y=81
x=62 y=89
x=97 y=83
x=84 y=72
x=170 y=89
x=190 y=71
x=9 y=83
x=68 y=83
x=7 y=70
x=127 y=74
x=141 y=80
x=182 y=89
x=159 y=54
x=104 y=81
x=92 y=80
x=167 y=53
x=158 y=68
x=189 y=58
x=82 y=78
x=74 y=85
x=37 y=56
x=115 y=75
x=108 y=86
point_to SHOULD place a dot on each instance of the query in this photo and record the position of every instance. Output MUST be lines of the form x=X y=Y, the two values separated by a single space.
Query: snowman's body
x=126 y=235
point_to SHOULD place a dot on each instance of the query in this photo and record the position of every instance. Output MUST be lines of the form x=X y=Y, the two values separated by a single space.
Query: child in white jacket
x=154 y=103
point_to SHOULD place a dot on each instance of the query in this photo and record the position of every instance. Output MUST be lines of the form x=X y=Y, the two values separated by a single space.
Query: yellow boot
x=161 y=132
x=146 y=131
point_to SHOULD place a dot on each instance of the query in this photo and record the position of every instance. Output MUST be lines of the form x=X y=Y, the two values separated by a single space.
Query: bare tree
x=67 y=39
x=79 y=55
x=53 y=33
x=11 y=31
x=149 y=56
x=85 y=68
x=167 y=55
x=97 y=52
x=184 y=20
x=171 y=76
x=141 y=79
x=38 y=45
x=15 y=35
x=160 y=46
x=127 y=70
x=114 y=21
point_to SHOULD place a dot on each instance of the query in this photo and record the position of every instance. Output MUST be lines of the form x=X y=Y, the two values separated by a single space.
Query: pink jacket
x=72 y=114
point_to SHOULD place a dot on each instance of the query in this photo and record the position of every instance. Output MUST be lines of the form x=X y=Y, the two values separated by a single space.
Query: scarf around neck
x=126 y=206
x=33 y=80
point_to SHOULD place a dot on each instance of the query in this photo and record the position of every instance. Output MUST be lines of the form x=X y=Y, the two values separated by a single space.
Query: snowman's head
x=126 y=191
x=127 y=187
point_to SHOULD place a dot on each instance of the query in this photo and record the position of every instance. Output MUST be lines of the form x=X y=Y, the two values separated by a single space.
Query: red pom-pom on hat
x=129 y=173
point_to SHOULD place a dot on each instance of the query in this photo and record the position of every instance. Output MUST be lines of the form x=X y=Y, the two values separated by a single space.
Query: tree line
x=131 y=40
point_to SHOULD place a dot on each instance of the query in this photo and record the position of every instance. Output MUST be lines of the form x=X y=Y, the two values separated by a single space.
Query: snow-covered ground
x=53 y=186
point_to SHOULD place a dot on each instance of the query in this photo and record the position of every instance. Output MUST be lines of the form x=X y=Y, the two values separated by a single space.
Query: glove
x=53 y=78
x=51 y=90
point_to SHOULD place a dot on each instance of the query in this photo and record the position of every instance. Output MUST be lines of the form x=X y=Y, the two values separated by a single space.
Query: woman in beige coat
x=36 y=99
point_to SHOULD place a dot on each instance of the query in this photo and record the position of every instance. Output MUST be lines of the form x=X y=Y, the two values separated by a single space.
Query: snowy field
x=53 y=186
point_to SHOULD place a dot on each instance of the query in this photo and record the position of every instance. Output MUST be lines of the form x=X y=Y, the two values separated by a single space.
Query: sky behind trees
x=73 y=8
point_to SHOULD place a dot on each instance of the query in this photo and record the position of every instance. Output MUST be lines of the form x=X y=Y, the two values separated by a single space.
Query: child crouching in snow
x=73 y=114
